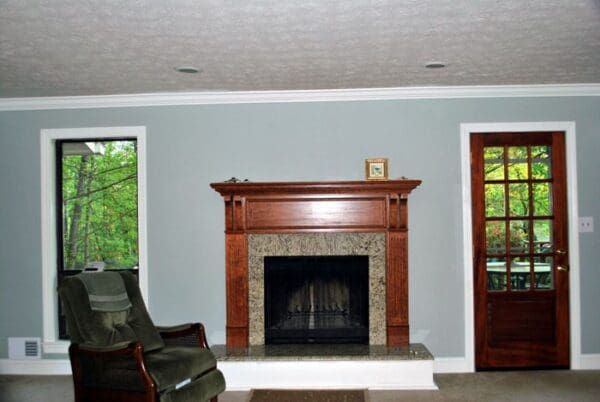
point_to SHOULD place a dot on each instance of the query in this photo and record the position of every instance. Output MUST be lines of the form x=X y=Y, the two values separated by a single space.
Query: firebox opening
x=317 y=299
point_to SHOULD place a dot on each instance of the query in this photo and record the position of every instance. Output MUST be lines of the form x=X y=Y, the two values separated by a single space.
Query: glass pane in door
x=518 y=168
x=518 y=194
x=540 y=162
x=494 y=200
x=520 y=273
x=542 y=199
x=542 y=267
x=495 y=233
x=542 y=234
x=496 y=273
x=494 y=163
x=519 y=237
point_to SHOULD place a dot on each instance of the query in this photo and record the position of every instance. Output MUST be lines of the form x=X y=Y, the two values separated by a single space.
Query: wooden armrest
x=184 y=330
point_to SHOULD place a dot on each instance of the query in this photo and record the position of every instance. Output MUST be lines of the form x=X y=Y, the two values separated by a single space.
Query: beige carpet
x=273 y=395
x=499 y=386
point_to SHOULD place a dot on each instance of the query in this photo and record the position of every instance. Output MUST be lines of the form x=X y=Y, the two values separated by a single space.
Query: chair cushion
x=173 y=364
x=168 y=367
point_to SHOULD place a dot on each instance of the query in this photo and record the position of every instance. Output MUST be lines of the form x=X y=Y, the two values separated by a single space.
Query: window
x=97 y=191
x=93 y=210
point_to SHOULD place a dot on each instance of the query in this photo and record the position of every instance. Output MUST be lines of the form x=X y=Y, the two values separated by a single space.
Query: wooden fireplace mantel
x=300 y=207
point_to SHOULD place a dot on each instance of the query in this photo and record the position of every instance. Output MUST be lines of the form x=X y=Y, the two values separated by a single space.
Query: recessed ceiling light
x=187 y=69
x=435 y=64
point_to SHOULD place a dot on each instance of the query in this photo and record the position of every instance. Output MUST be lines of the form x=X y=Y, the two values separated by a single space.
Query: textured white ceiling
x=82 y=47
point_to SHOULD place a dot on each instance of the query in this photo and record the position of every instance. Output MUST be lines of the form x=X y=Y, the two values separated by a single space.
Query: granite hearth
x=326 y=367
x=340 y=352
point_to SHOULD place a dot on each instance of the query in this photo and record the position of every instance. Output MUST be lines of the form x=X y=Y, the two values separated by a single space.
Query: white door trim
x=51 y=343
x=572 y=216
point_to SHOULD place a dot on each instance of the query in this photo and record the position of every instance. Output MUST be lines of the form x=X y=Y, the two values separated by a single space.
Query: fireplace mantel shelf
x=326 y=206
x=320 y=187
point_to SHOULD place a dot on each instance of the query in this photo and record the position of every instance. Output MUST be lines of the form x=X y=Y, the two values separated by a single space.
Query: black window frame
x=61 y=272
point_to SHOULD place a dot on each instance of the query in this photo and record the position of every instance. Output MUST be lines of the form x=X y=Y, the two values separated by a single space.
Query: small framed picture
x=376 y=169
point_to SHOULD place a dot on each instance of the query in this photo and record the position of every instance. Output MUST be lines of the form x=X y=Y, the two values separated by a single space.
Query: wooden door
x=521 y=276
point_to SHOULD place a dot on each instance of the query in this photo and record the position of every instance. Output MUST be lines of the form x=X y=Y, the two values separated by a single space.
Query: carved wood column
x=236 y=272
x=236 y=268
x=397 y=289
x=397 y=272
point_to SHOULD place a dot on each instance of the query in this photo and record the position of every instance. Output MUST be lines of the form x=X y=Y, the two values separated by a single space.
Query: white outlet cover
x=586 y=224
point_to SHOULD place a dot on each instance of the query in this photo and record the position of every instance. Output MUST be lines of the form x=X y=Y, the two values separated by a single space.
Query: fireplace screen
x=316 y=299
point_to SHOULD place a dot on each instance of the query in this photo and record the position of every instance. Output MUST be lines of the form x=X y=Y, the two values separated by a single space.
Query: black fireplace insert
x=317 y=299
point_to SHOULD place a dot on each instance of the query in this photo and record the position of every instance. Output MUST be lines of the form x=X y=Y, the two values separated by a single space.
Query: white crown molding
x=325 y=95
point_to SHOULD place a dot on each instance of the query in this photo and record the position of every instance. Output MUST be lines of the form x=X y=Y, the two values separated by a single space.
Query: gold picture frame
x=376 y=169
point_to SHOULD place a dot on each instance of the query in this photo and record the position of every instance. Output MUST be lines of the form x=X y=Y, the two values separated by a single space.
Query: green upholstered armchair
x=117 y=354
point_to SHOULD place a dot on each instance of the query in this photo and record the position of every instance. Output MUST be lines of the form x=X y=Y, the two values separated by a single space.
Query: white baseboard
x=451 y=365
x=56 y=347
x=288 y=374
x=589 y=361
x=35 y=367
x=376 y=375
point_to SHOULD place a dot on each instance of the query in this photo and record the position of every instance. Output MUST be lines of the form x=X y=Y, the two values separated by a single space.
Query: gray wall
x=191 y=146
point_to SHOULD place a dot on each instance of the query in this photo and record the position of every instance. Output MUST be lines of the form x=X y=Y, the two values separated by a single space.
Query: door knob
x=561 y=252
x=562 y=268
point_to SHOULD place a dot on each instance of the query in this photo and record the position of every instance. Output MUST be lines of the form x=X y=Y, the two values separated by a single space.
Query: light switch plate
x=586 y=224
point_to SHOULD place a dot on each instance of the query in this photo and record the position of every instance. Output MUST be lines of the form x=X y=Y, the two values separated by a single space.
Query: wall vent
x=24 y=348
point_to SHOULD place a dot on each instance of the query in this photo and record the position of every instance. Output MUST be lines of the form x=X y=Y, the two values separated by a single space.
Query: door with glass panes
x=521 y=272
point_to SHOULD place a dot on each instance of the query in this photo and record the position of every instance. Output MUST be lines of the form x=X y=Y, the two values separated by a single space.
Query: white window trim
x=568 y=128
x=51 y=343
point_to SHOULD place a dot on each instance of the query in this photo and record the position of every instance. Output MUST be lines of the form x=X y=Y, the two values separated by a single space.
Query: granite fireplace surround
x=313 y=219
x=317 y=244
